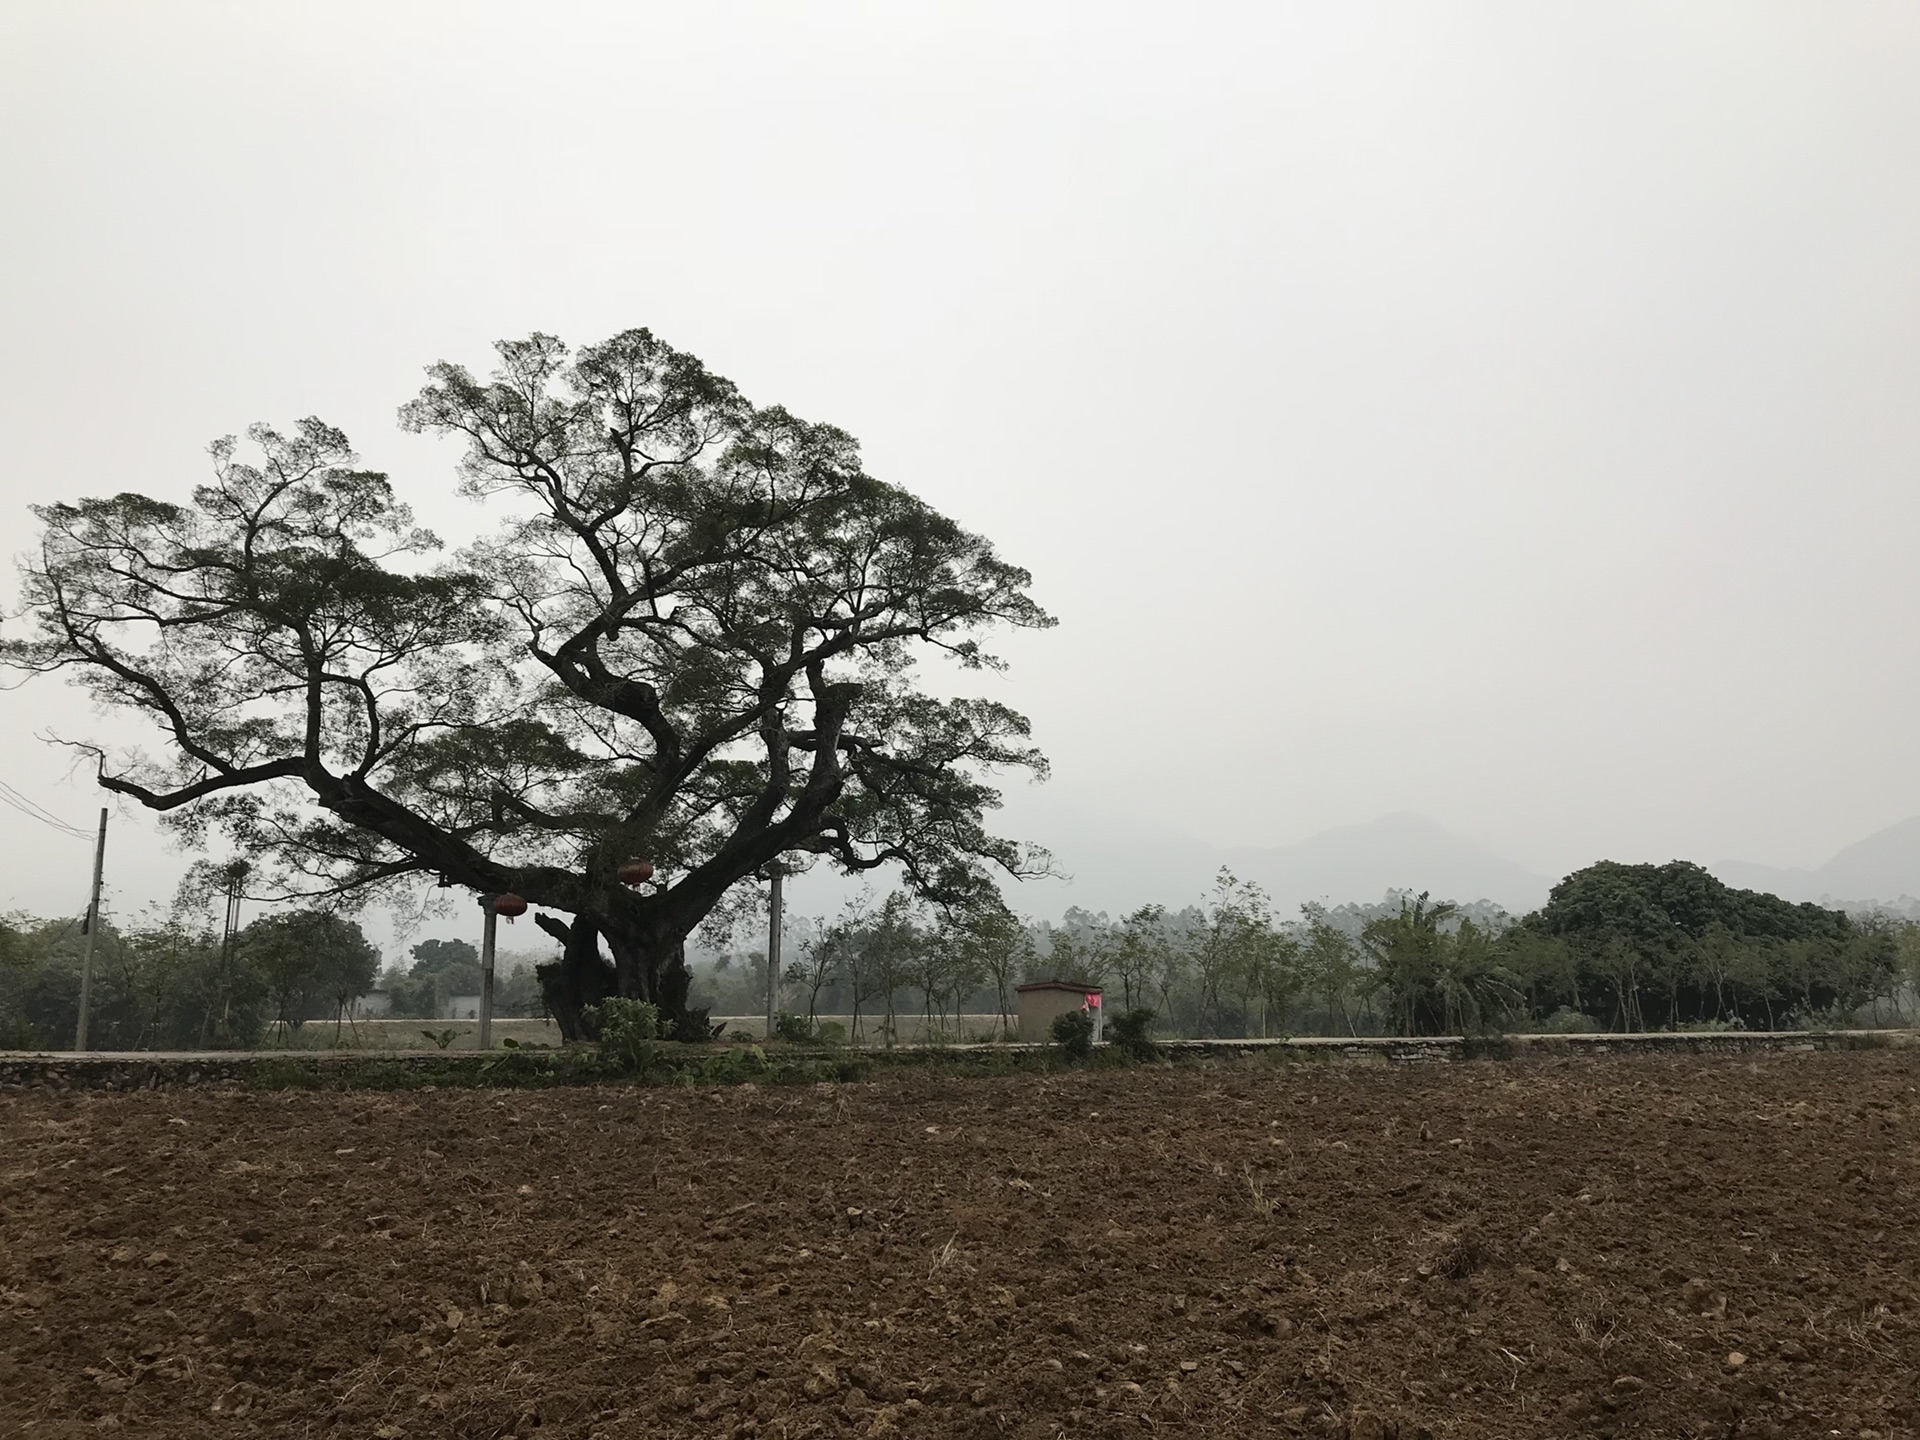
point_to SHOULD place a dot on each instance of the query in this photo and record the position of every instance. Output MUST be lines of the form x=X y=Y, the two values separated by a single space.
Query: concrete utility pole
x=773 y=943
x=93 y=930
x=486 y=972
x=237 y=871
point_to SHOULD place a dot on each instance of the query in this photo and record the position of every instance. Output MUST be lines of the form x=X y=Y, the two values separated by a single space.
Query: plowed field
x=1704 y=1247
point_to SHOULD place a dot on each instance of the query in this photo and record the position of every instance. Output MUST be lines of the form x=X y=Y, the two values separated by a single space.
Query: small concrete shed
x=1041 y=1000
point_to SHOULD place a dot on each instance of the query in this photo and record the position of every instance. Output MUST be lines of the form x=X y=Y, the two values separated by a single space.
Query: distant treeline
x=1617 y=947
x=169 y=983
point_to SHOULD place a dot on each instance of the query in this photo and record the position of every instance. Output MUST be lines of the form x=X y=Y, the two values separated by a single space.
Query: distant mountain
x=1883 y=868
x=1117 y=871
x=1352 y=862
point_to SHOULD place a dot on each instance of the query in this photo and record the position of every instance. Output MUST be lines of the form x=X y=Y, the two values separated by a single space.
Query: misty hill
x=1115 y=873
x=1884 y=867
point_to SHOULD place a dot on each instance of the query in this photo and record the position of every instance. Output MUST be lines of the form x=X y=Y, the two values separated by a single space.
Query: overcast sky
x=1502 y=412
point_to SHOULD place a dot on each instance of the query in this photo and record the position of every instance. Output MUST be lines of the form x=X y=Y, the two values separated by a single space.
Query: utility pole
x=93 y=930
x=486 y=971
x=237 y=871
x=773 y=943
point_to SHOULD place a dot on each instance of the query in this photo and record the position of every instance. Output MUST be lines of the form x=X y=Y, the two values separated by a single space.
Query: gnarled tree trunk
x=578 y=979
x=650 y=967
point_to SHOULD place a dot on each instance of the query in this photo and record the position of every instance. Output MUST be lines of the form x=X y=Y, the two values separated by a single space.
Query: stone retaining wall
x=145 y=1070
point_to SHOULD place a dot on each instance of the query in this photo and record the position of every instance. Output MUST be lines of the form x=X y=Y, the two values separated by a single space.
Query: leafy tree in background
x=1907 y=964
x=1238 y=919
x=16 y=966
x=1170 y=977
x=817 y=967
x=1543 y=968
x=1139 y=953
x=349 y=963
x=690 y=641
x=517 y=995
x=162 y=983
x=891 y=941
x=996 y=947
x=1409 y=953
x=1270 y=977
x=941 y=971
x=1330 y=963
x=1061 y=960
x=1479 y=993
x=1703 y=951
x=441 y=969
x=311 y=962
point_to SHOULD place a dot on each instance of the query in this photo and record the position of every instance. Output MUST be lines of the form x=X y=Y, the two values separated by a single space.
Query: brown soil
x=1634 y=1247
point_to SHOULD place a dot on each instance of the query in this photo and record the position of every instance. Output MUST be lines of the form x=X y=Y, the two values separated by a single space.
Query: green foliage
x=1437 y=977
x=870 y=954
x=1671 y=946
x=16 y=965
x=515 y=1064
x=795 y=1028
x=1567 y=1021
x=1237 y=949
x=163 y=983
x=628 y=1032
x=1131 y=1033
x=1330 y=967
x=311 y=963
x=1139 y=953
x=990 y=948
x=516 y=995
x=1648 y=904
x=1073 y=1033
x=441 y=969
x=443 y=1037
x=728 y=1066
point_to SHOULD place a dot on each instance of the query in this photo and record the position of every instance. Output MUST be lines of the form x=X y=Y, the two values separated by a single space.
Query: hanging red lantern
x=509 y=905
x=634 y=872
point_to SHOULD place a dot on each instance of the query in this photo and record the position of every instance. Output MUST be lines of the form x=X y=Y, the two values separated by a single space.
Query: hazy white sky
x=1504 y=412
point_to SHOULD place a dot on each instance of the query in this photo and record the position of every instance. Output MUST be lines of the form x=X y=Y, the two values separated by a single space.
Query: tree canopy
x=1654 y=904
x=1648 y=944
x=310 y=961
x=690 y=640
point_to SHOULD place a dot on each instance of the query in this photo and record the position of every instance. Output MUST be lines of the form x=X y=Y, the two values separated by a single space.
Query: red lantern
x=509 y=905
x=634 y=872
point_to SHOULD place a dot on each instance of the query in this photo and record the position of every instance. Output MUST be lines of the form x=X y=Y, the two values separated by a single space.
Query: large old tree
x=690 y=641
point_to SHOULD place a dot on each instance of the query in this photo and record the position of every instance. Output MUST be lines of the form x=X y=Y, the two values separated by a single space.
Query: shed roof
x=1058 y=985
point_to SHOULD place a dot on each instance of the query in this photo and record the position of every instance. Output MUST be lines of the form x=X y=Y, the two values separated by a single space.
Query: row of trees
x=1617 y=947
x=169 y=982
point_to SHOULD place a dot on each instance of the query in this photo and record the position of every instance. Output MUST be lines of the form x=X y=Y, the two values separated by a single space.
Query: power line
x=55 y=824
x=35 y=811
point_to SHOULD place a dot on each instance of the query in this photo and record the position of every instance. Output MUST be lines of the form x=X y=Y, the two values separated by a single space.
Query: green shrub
x=1073 y=1033
x=796 y=1028
x=628 y=1030
x=730 y=1066
x=831 y=1032
x=1568 y=1021
x=1130 y=1034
